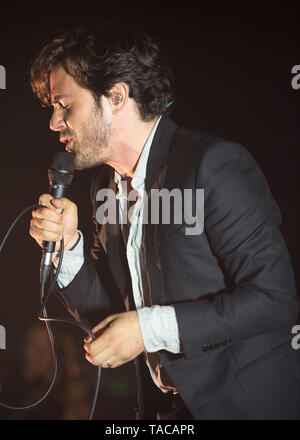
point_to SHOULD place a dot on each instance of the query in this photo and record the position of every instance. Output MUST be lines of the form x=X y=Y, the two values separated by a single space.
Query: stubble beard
x=91 y=145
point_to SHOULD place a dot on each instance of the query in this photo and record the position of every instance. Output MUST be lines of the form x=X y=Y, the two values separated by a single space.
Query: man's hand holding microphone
x=118 y=337
x=58 y=218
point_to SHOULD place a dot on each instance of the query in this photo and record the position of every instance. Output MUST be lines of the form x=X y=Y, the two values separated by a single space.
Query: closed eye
x=64 y=107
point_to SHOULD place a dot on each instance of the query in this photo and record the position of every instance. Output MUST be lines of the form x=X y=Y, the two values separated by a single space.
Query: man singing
x=210 y=312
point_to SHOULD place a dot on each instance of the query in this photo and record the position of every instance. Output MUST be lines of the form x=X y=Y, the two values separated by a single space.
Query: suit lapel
x=155 y=178
x=110 y=235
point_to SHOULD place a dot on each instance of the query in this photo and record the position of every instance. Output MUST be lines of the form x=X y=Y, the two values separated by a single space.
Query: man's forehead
x=63 y=85
x=60 y=83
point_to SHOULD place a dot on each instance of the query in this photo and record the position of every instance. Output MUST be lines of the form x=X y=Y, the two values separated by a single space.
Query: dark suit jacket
x=232 y=286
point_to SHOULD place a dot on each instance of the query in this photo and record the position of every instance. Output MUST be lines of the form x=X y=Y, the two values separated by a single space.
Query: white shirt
x=158 y=324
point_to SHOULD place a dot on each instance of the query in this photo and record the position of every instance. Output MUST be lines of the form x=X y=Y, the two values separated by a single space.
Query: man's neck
x=130 y=148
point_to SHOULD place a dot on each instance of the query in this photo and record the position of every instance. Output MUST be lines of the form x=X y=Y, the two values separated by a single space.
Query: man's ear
x=118 y=96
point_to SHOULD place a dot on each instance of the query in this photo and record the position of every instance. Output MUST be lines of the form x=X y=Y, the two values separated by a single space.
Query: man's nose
x=57 y=122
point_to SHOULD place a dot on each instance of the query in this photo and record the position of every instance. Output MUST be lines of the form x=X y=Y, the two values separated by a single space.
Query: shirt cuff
x=159 y=328
x=71 y=264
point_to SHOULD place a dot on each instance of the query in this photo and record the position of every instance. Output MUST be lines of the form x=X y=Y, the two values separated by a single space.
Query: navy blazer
x=232 y=286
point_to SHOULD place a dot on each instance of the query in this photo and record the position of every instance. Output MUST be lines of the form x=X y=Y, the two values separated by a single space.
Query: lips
x=68 y=143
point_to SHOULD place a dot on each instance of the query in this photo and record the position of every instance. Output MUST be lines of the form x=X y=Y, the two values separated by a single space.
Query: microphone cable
x=43 y=316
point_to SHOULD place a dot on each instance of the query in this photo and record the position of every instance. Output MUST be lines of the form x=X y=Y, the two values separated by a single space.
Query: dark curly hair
x=100 y=54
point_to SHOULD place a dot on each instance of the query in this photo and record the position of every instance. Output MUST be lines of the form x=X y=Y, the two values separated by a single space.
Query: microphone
x=60 y=177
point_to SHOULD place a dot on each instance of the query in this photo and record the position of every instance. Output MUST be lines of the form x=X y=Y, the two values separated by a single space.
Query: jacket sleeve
x=87 y=294
x=242 y=224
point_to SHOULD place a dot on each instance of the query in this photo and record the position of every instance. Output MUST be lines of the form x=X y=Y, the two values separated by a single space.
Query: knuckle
x=33 y=235
x=44 y=199
x=39 y=212
x=32 y=231
x=33 y=228
x=38 y=221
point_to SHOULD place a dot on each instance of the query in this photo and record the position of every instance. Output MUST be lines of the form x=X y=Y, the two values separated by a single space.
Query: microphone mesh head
x=63 y=161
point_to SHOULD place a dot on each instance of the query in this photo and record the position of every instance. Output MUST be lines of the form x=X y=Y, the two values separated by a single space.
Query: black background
x=233 y=69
